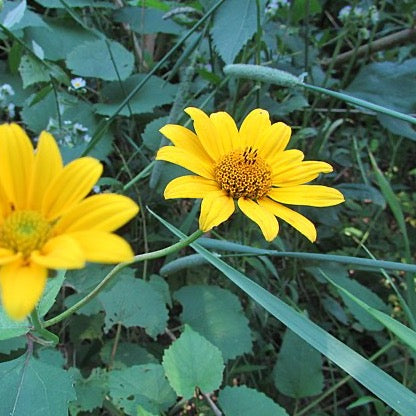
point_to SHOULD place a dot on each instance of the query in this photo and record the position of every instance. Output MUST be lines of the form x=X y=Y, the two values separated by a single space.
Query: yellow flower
x=46 y=219
x=250 y=166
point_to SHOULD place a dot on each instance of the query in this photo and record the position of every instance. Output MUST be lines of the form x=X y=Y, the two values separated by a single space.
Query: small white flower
x=374 y=14
x=344 y=12
x=96 y=189
x=87 y=138
x=11 y=110
x=6 y=89
x=79 y=127
x=67 y=122
x=78 y=83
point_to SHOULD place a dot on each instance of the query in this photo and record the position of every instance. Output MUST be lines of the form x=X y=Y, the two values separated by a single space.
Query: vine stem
x=136 y=259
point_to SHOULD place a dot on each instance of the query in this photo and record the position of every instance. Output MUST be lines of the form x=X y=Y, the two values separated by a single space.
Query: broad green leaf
x=12 y=344
x=396 y=126
x=298 y=370
x=390 y=84
x=58 y=47
x=33 y=70
x=53 y=287
x=134 y=302
x=10 y=328
x=143 y=385
x=104 y=59
x=235 y=22
x=127 y=354
x=31 y=387
x=90 y=391
x=369 y=375
x=151 y=136
x=155 y=92
x=15 y=15
x=146 y=20
x=244 y=401
x=304 y=8
x=192 y=361
x=217 y=315
x=362 y=192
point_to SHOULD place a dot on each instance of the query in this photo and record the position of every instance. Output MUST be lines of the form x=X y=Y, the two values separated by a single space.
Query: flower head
x=46 y=219
x=249 y=166
x=78 y=83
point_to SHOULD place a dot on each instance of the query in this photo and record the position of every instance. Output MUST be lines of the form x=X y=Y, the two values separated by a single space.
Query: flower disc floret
x=24 y=232
x=243 y=174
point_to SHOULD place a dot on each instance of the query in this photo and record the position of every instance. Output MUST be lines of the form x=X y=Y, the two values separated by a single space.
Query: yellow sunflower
x=248 y=165
x=46 y=221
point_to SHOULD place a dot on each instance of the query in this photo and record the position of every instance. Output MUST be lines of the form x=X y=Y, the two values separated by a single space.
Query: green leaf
x=15 y=15
x=390 y=84
x=58 y=47
x=32 y=71
x=235 y=22
x=144 y=385
x=217 y=315
x=134 y=302
x=146 y=20
x=31 y=387
x=192 y=361
x=154 y=93
x=369 y=375
x=90 y=392
x=58 y=4
x=104 y=59
x=244 y=401
x=304 y=8
x=12 y=344
x=340 y=276
x=362 y=192
x=407 y=335
x=298 y=375
x=151 y=136
x=127 y=355
x=53 y=287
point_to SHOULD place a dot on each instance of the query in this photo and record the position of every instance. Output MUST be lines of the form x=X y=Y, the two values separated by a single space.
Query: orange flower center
x=244 y=174
x=24 y=232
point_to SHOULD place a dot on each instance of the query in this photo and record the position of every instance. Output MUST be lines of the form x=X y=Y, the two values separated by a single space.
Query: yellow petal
x=227 y=131
x=16 y=163
x=311 y=195
x=300 y=174
x=254 y=126
x=285 y=161
x=296 y=220
x=61 y=252
x=206 y=132
x=73 y=183
x=273 y=140
x=8 y=256
x=189 y=187
x=104 y=212
x=181 y=157
x=103 y=247
x=48 y=164
x=261 y=216
x=21 y=286
x=216 y=208
x=185 y=139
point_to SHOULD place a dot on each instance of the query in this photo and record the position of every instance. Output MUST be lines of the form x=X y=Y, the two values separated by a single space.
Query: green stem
x=140 y=257
x=47 y=336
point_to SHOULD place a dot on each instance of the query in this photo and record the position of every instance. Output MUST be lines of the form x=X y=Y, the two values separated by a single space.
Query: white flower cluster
x=70 y=134
x=274 y=5
x=6 y=92
x=359 y=14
